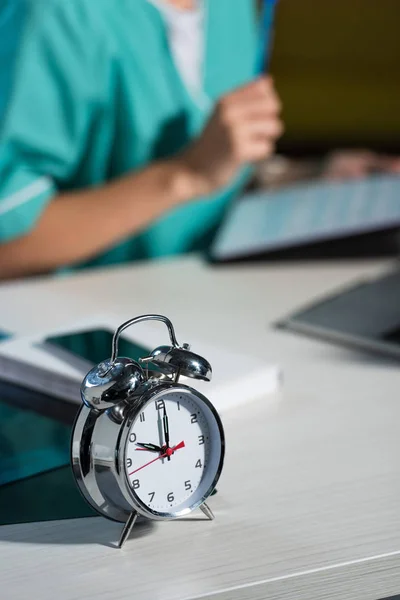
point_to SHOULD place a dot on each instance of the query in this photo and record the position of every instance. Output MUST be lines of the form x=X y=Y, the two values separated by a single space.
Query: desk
x=310 y=511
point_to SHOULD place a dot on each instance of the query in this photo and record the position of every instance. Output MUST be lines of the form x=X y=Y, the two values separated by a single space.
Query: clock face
x=174 y=452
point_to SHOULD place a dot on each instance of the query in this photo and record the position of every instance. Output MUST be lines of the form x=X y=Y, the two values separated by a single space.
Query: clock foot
x=205 y=509
x=127 y=528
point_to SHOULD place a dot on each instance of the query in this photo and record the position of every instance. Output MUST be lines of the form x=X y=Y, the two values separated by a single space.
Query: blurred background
x=336 y=66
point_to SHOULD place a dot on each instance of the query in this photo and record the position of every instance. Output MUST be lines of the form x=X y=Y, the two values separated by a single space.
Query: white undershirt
x=187 y=43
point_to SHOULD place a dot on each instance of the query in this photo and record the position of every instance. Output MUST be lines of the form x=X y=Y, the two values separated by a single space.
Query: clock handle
x=139 y=319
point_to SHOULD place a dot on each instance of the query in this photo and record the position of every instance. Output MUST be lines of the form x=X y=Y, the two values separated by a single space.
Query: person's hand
x=242 y=129
x=353 y=164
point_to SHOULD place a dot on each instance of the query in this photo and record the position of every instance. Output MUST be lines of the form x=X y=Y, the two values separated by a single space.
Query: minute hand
x=166 y=429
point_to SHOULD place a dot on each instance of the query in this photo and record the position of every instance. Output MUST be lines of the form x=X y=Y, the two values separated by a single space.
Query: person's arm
x=78 y=225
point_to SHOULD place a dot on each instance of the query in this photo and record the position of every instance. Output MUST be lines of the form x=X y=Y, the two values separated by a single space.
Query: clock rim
x=78 y=439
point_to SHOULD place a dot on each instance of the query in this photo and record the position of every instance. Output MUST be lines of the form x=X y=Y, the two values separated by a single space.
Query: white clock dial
x=173 y=452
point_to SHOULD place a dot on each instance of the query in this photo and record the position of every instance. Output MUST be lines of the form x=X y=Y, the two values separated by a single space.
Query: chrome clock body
x=122 y=458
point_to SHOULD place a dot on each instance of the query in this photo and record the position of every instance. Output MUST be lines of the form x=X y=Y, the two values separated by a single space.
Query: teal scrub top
x=12 y=16
x=97 y=95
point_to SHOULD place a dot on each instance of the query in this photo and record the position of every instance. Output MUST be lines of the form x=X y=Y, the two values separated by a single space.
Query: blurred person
x=129 y=128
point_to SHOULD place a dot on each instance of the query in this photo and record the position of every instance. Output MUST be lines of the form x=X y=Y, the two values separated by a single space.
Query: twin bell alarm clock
x=143 y=443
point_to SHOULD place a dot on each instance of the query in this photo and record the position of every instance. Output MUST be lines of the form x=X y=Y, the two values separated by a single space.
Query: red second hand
x=178 y=446
x=168 y=452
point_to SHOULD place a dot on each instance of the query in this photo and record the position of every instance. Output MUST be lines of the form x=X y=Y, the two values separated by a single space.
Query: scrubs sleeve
x=54 y=102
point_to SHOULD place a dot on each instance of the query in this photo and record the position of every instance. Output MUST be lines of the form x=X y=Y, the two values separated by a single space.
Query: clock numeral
x=152 y=494
x=132 y=438
x=201 y=440
x=199 y=464
x=188 y=485
x=193 y=418
x=178 y=405
x=142 y=417
x=136 y=484
x=171 y=497
x=159 y=404
x=129 y=462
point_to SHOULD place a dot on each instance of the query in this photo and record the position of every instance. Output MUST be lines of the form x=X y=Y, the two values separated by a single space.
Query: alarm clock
x=143 y=443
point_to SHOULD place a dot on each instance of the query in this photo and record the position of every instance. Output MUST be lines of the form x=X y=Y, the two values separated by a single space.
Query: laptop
x=317 y=219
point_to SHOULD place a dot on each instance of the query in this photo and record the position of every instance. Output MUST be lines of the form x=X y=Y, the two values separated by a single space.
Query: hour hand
x=149 y=447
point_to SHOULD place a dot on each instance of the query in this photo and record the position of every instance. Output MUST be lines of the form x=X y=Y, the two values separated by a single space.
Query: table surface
x=308 y=503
